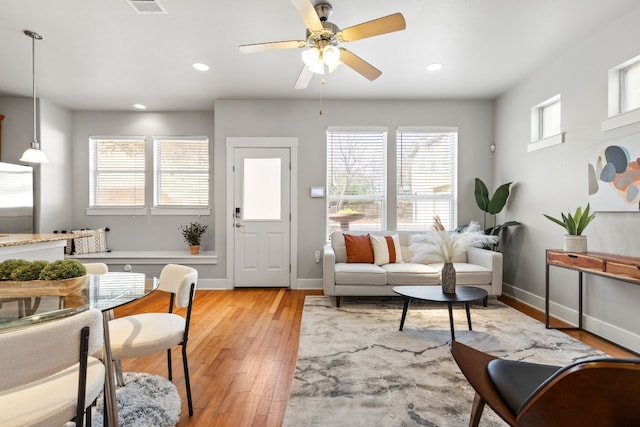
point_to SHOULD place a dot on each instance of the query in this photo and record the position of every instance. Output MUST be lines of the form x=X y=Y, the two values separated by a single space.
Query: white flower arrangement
x=440 y=245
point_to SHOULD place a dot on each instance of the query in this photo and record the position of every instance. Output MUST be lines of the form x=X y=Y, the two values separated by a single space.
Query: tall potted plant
x=492 y=206
x=575 y=224
x=192 y=234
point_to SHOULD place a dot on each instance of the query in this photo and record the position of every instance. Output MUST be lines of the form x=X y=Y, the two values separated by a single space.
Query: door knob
x=238 y=225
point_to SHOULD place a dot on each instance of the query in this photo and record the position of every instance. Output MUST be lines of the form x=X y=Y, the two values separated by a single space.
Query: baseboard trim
x=613 y=333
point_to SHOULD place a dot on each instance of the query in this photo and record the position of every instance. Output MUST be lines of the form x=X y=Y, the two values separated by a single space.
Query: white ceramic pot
x=574 y=243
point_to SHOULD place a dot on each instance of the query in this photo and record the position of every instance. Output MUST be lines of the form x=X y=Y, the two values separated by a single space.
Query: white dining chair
x=148 y=333
x=96 y=267
x=46 y=375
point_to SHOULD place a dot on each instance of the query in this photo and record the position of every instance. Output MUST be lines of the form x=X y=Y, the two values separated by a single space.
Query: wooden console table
x=618 y=267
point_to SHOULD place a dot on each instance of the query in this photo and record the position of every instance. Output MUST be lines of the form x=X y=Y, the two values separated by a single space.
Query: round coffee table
x=464 y=295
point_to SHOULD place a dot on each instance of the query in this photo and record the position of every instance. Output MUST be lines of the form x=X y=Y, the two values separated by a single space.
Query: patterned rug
x=144 y=401
x=355 y=368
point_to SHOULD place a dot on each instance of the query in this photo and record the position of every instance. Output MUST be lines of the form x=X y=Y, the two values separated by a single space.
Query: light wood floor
x=242 y=352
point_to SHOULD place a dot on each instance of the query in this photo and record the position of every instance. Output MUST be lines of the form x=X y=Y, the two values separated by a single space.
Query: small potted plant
x=192 y=234
x=575 y=224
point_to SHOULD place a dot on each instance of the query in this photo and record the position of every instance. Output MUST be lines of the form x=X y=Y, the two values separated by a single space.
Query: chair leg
x=87 y=416
x=170 y=371
x=119 y=377
x=476 y=410
x=187 y=383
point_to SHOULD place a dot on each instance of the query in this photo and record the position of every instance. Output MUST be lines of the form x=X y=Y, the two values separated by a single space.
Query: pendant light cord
x=33 y=74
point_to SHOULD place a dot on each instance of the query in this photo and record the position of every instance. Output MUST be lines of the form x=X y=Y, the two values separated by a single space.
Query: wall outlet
x=317 y=256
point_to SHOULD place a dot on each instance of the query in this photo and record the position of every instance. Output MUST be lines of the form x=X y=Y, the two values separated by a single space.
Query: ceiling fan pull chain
x=321 y=93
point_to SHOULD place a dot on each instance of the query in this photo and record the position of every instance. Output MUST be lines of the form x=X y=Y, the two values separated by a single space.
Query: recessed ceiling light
x=434 y=67
x=200 y=66
x=140 y=106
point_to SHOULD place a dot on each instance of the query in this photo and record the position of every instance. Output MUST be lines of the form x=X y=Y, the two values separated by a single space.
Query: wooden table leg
x=466 y=306
x=404 y=312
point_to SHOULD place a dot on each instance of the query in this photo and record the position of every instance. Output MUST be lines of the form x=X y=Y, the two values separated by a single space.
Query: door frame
x=263 y=142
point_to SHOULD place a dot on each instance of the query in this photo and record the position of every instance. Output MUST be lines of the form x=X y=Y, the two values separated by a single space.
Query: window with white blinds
x=116 y=172
x=356 y=179
x=181 y=172
x=427 y=175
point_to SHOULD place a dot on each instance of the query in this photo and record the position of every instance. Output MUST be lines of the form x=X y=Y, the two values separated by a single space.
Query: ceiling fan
x=323 y=39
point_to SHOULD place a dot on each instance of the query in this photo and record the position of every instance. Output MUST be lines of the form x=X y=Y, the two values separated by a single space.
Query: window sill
x=620 y=120
x=547 y=142
x=148 y=211
x=132 y=211
x=180 y=211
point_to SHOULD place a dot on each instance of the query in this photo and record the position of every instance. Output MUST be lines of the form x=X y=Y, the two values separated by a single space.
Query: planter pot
x=574 y=243
x=448 y=278
x=195 y=250
x=42 y=287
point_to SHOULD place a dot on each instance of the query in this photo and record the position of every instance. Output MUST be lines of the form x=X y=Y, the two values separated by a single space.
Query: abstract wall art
x=614 y=176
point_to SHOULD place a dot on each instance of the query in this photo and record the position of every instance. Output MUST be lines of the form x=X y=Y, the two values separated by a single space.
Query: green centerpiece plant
x=192 y=234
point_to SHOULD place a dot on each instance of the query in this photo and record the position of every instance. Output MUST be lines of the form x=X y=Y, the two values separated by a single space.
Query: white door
x=262 y=220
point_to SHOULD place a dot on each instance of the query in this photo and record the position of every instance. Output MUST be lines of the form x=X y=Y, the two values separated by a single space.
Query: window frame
x=155 y=208
x=617 y=115
x=539 y=139
x=149 y=182
x=119 y=209
x=382 y=198
x=452 y=197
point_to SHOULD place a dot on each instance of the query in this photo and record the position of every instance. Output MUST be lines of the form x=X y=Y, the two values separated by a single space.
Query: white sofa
x=478 y=267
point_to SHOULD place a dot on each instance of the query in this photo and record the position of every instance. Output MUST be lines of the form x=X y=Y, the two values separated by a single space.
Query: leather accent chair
x=601 y=392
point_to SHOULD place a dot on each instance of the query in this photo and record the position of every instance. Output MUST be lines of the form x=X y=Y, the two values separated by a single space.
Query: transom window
x=623 y=104
x=630 y=87
x=426 y=163
x=117 y=172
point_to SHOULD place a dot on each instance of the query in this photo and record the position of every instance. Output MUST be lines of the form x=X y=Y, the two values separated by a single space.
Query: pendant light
x=34 y=154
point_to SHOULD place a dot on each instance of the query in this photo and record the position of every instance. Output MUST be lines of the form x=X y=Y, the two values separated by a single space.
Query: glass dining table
x=104 y=292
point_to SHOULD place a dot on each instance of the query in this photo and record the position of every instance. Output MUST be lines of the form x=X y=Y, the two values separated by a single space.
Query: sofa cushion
x=358 y=248
x=411 y=274
x=360 y=274
x=468 y=274
x=386 y=249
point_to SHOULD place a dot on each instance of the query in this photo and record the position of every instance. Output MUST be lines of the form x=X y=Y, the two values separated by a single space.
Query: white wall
x=554 y=179
x=53 y=211
x=17 y=127
x=51 y=180
x=136 y=232
x=301 y=119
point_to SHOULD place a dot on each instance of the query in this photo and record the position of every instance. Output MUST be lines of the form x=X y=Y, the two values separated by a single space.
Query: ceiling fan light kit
x=323 y=38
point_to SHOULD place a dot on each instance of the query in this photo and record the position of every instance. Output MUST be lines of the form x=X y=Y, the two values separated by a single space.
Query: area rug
x=144 y=401
x=355 y=368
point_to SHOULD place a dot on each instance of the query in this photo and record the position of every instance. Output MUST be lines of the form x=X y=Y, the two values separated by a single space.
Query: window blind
x=181 y=172
x=356 y=178
x=427 y=176
x=116 y=172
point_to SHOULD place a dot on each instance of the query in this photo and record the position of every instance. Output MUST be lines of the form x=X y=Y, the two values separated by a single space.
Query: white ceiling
x=101 y=55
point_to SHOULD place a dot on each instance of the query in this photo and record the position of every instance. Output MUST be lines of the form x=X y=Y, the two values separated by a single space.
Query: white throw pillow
x=386 y=249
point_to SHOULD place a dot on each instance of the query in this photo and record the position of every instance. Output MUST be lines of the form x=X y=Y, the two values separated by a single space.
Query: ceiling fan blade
x=304 y=78
x=308 y=14
x=261 y=47
x=359 y=65
x=384 y=25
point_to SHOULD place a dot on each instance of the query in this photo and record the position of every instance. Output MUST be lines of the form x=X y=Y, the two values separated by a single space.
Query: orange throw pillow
x=358 y=248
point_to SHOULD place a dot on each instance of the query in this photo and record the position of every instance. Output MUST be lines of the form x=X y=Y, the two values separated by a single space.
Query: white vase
x=574 y=243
